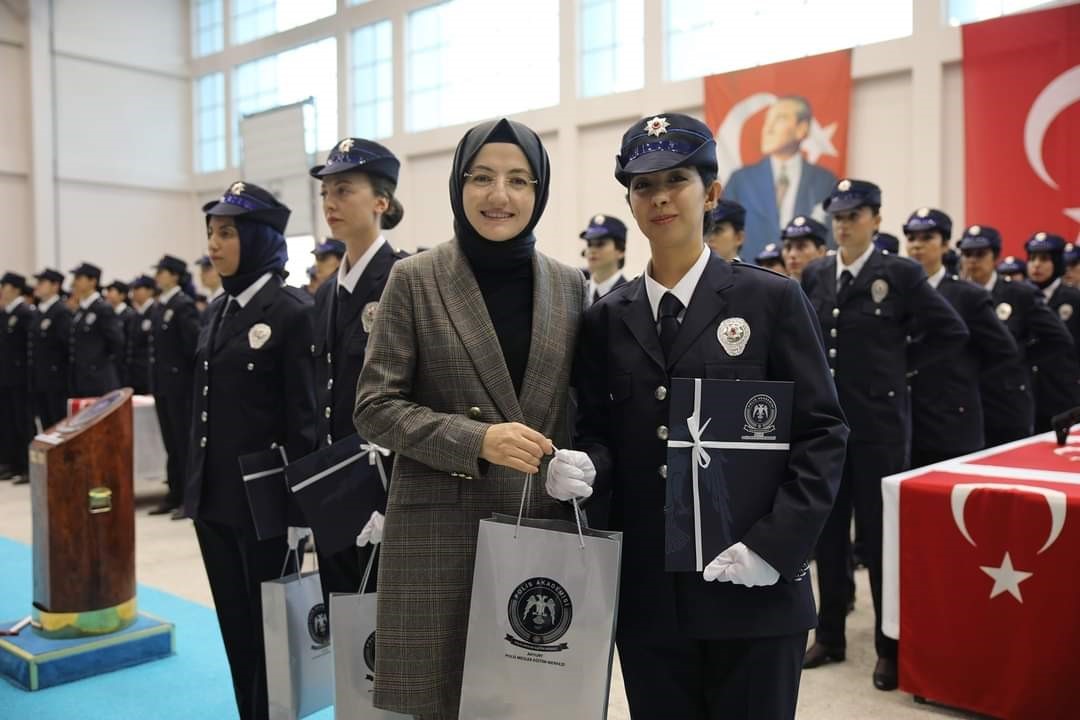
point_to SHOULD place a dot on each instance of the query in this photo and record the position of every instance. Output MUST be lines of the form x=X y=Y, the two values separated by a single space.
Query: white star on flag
x=819 y=141
x=1006 y=579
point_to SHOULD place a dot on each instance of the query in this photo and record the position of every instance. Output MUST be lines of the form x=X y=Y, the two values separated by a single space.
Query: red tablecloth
x=989 y=591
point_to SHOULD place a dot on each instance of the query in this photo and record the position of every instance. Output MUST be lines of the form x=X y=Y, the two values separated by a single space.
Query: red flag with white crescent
x=1022 y=124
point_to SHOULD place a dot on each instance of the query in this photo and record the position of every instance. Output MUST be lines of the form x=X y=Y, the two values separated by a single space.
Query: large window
x=373 y=80
x=706 y=37
x=210 y=123
x=207 y=27
x=252 y=19
x=966 y=11
x=612 y=38
x=288 y=77
x=463 y=64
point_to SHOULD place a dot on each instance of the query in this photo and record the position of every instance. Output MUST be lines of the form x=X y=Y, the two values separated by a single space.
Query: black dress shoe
x=7 y=474
x=178 y=514
x=820 y=654
x=21 y=480
x=885 y=674
x=164 y=508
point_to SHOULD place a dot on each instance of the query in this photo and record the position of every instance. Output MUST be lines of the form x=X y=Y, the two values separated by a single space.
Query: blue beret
x=604 y=226
x=976 y=237
x=803 y=226
x=663 y=142
x=929 y=220
x=851 y=194
x=360 y=155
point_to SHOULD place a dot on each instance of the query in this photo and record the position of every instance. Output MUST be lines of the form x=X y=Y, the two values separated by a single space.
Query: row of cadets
x=728 y=642
x=868 y=304
x=948 y=417
x=358 y=184
x=254 y=389
x=1051 y=373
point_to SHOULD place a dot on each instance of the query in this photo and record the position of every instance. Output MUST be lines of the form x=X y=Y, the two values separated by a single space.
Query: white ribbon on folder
x=699 y=457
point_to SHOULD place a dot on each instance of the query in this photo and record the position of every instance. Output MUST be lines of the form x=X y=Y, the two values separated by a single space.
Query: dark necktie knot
x=670 y=307
x=845 y=281
x=232 y=306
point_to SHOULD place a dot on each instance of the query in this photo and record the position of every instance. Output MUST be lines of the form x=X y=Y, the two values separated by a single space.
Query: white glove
x=372 y=532
x=570 y=475
x=742 y=566
x=295 y=535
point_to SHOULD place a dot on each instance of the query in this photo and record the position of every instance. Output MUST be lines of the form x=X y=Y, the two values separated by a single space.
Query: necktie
x=595 y=296
x=670 y=307
x=782 y=184
x=845 y=282
x=232 y=306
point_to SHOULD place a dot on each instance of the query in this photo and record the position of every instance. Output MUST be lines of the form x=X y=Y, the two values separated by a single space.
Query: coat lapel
x=638 y=316
x=238 y=324
x=465 y=305
x=866 y=276
x=706 y=304
x=548 y=323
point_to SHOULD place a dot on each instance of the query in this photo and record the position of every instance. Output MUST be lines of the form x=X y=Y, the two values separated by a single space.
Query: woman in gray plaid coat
x=466 y=379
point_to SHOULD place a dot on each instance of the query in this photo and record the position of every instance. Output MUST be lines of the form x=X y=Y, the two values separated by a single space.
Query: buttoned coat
x=434 y=380
x=97 y=350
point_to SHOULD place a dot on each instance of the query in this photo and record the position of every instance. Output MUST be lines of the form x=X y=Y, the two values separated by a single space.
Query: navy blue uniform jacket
x=620 y=368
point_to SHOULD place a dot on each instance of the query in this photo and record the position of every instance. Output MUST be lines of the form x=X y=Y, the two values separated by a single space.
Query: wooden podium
x=84 y=521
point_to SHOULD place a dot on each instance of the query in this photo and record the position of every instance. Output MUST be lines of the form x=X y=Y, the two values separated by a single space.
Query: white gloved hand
x=295 y=535
x=570 y=475
x=372 y=532
x=742 y=566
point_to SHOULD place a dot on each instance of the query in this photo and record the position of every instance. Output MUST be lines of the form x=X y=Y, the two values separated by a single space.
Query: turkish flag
x=988 y=593
x=1022 y=124
x=735 y=105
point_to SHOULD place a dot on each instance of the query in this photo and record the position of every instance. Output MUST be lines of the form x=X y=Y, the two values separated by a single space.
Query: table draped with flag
x=981 y=554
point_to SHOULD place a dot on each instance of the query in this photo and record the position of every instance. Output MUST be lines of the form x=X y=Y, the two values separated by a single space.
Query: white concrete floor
x=167 y=558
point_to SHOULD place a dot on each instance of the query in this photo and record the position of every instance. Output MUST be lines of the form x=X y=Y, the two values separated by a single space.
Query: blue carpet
x=194 y=683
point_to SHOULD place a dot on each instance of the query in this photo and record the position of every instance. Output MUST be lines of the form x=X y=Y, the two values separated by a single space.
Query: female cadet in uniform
x=358 y=183
x=254 y=390
x=726 y=643
x=466 y=379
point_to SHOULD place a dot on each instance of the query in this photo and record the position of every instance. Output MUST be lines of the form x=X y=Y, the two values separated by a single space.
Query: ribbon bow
x=699 y=454
x=375 y=454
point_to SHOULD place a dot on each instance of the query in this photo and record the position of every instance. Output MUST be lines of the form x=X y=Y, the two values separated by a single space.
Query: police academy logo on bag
x=540 y=612
x=318 y=626
x=369 y=657
x=760 y=415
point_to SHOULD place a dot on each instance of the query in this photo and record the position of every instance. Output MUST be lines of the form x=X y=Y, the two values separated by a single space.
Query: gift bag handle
x=521 y=511
x=367 y=570
x=295 y=550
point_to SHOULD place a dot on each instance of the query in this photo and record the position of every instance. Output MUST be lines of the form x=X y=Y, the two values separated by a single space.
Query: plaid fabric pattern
x=432 y=357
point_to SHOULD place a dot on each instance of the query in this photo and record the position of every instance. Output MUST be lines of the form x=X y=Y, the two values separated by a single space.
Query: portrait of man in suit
x=783 y=183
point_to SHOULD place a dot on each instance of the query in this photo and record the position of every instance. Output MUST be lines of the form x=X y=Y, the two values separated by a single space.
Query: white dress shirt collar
x=1049 y=290
x=684 y=289
x=145 y=306
x=215 y=295
x=245 y=297
x=90 y=300
x=854 y=268
x=119 y=309
x=603 y=288
x=993 y=281
x=348 y=279
x=44 y=305
x=935 y=279
x=168 y=295
x=10 y=308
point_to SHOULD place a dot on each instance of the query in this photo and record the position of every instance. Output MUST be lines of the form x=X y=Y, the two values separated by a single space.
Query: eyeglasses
x=487 y=181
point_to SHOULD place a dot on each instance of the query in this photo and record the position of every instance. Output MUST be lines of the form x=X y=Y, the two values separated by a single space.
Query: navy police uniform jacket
x=254 y=390
x=50 y=339
x=124 y=316
x=96 y=350
x=622 y=380
x=342 y=321
x=1065 y=302
x=175 y=334
x=15 y=331
x=867 y=333
x=139 y=332
x=946 y=403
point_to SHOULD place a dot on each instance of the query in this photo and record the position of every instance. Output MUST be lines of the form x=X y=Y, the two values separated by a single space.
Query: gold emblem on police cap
x=879 y=290
x=799 y=221
x=923 y=212
x=258 y=335
x=844 y=185
x=236 y=188
x=1065 y=312
x=345 y=145
x=733 y=334
x=367 y=316
x=657 y=126
x=1004 y=311
x=974 y=230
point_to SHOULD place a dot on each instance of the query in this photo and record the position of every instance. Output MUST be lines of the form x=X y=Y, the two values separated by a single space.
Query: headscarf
x=262 y=250
x=481 y=252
